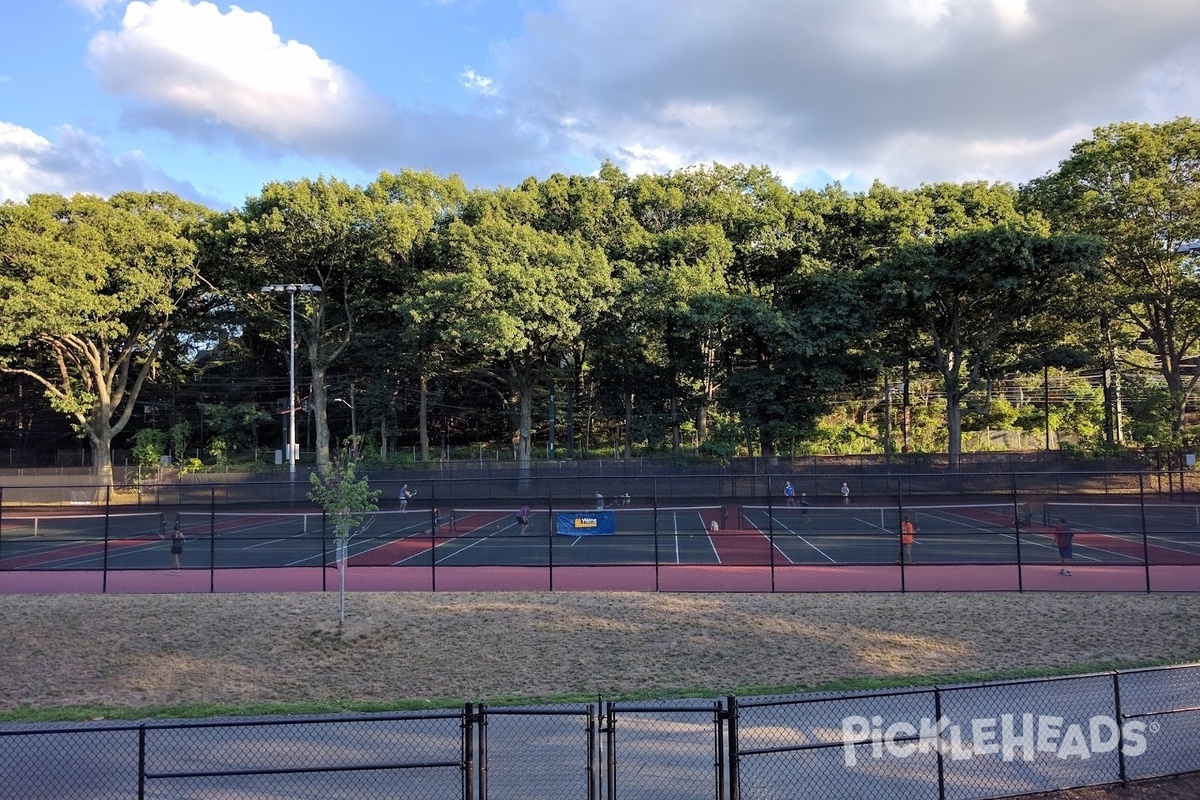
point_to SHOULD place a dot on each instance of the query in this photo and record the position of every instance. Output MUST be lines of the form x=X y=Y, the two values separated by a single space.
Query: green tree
x=970 y=296
x=1136 y=186
x=649 y=350
x=346 y=499
x=92 y=291
x=518 y=295
x=328 y=234
x=402 y=346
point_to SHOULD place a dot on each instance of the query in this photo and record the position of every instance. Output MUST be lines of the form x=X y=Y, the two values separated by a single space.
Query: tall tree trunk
x=100 y=443
x=906 y=418
x=674 y=424
x=887 y=417
x=320 y=408
x=954 y=424
x=522 y=381
x=628 y=424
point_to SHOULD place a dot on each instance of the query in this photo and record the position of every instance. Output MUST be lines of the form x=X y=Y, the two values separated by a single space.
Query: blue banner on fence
x=586 y=523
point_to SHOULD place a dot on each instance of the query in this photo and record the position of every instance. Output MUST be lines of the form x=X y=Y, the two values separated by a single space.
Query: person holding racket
x=1062 y=540
x=177 y=540
x=907 y=533
x=523 y=518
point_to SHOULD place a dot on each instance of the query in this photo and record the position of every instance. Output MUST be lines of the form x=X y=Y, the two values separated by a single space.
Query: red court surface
x=617 y=578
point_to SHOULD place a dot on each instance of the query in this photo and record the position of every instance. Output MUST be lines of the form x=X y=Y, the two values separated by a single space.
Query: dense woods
x=705 y=313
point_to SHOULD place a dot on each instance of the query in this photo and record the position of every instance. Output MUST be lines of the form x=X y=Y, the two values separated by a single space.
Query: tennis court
x=722 y=547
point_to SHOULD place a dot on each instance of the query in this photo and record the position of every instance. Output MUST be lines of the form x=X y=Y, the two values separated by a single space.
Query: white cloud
x=915 y=89
x=227 y=70
x=198 y=73
x=903 y=90
x=75 y=164
x=476 y=82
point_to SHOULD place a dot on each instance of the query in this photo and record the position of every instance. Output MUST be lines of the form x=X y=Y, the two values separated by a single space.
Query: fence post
x=1120 y=719
x=610 y=736
x=551 y=530
x=107 y=513
x=903 y=566
x=1017 y=531
x=468 y=766
x=731 y=711
x=141 y=761
x=1145 y=541
x=324 y=554
x=654 y=527
x=212 y=539
x=941 y=763
x=433 y=532
x=718 y=730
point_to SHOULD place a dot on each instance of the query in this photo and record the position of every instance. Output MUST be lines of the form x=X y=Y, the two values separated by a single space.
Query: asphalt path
x=995 y=739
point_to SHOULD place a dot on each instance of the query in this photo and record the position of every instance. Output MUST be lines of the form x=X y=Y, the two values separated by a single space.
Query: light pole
x=291 y=289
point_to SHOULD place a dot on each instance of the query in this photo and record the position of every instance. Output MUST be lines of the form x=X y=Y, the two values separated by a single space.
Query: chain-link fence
x=776 y=532
x=963 y=742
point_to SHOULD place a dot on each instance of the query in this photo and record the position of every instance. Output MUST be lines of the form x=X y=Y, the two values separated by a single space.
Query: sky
x=213 y=101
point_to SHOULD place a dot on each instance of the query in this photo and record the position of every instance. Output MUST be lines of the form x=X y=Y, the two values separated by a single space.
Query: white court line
x=824 y=555
x=707 y=535
x=324 y=555
x=478 y=540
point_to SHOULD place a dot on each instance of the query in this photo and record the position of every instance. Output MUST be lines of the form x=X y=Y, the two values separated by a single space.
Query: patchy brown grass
x=159 y=652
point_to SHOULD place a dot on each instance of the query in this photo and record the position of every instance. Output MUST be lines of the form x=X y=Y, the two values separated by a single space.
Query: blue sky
x=212 y=101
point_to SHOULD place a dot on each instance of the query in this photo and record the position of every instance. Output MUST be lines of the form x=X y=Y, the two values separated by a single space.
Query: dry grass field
x=163 y=653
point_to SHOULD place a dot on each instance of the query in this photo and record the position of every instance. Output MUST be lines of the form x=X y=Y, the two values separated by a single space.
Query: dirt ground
x=155 y=653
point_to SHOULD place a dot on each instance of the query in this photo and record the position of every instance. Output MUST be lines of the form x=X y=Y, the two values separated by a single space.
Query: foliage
x=726 y=438
x=346 y=499
x=149 y=446
x=180 y=434
x=93 y=290
x=969 y=295
x=189 y=465
x=233 y=424
x=1136 y=186
x=1153 y=415
x=344 y=496
x=713 y=303
x=995 y=413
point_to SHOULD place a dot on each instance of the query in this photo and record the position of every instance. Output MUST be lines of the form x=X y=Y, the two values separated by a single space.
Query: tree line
x=713 y=301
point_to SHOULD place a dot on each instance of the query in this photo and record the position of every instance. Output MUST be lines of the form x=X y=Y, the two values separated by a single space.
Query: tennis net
x=1125 y=517
x=130 y=525
x=287 y=525
x=964 y=518
x=663 y=520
